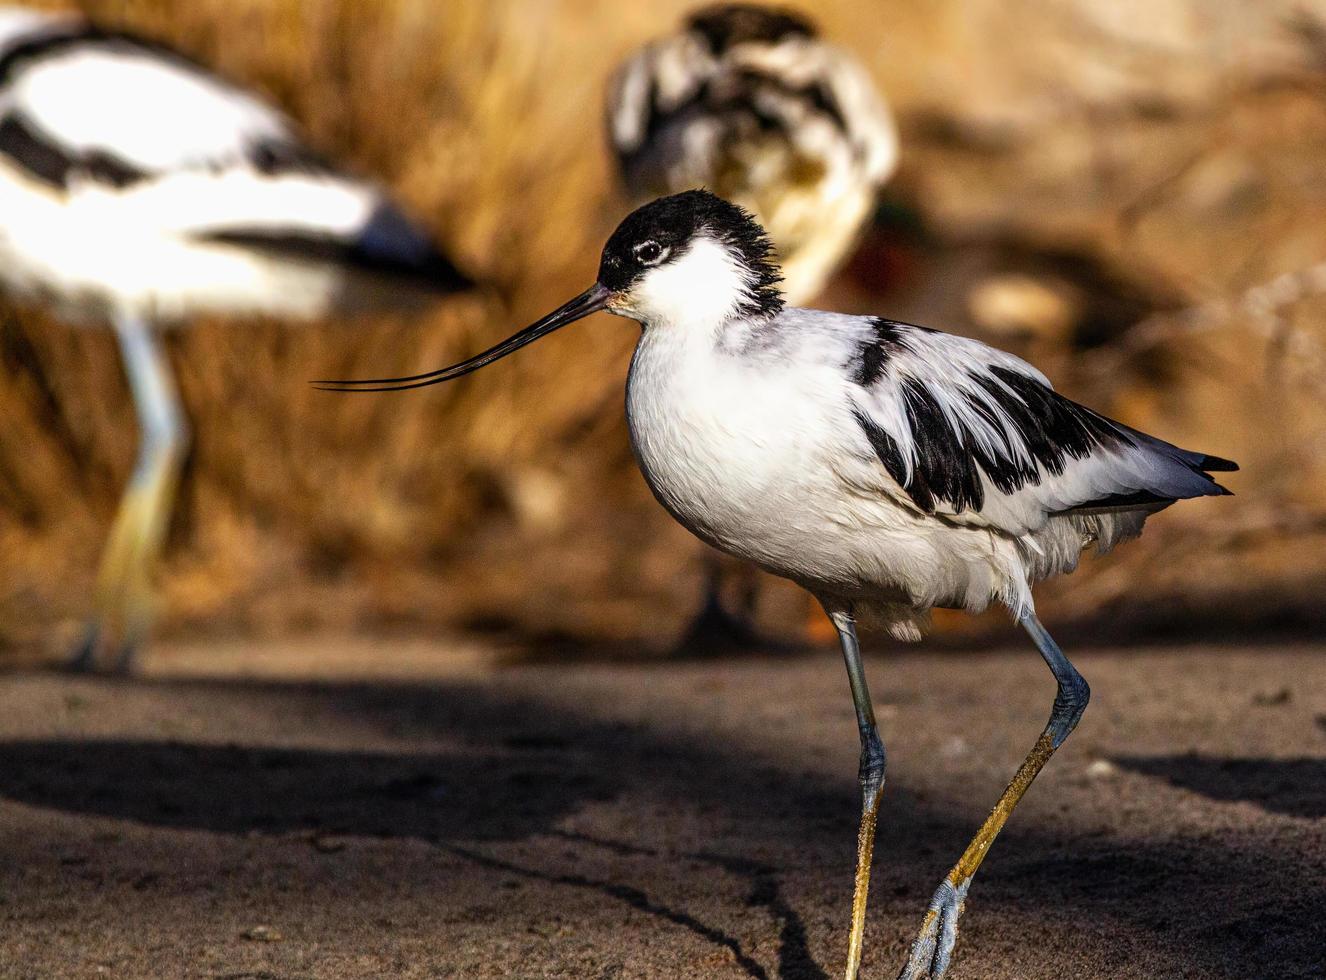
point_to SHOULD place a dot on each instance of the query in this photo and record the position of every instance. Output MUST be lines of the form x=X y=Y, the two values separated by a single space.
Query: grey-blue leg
x=870 y=775
x=124 y=600
x=933 y=947
x=1074 y=692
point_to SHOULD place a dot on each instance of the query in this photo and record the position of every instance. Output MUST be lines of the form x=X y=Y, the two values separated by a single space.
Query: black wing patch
x=951 y=464
x=950 y=461
x=1052 y=427
x=52 y=164
x=874 y=355
x=387 y=246
x=945 y=470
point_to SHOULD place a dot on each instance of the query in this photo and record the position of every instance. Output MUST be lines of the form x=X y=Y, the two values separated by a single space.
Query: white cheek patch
x=701 y=286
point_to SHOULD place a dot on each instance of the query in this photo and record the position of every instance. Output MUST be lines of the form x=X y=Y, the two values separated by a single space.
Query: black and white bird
x=138 y=188
x=748 y=101
x=887 y=468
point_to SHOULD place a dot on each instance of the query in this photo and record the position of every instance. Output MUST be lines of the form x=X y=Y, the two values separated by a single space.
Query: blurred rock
x=263 y=934
x=1101 y=769
x=537 y=497
x=1024 y=308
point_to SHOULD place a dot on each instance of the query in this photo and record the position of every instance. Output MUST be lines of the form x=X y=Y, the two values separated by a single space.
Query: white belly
x=741 y=457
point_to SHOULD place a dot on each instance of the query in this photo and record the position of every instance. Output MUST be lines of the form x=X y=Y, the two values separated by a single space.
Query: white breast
x=742 y=454
x=761 y=458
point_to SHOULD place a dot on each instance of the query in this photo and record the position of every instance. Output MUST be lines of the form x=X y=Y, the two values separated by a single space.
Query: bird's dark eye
x=650 y=253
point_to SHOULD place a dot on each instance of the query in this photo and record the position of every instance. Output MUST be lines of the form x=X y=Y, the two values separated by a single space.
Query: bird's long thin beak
x=590 y=301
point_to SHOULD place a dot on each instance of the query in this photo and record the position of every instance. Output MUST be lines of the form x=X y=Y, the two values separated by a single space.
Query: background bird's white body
x=99 y=250
x=134 y=182
x=751 y=104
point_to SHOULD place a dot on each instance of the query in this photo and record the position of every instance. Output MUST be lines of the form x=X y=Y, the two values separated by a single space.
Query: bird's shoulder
x=875 y=352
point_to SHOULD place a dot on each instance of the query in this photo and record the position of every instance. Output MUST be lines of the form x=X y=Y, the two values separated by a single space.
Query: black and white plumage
x=887 y=468
x=132 y=180
x=138 y=187
x=939 y=471
x=987 y=439
x=748 y=101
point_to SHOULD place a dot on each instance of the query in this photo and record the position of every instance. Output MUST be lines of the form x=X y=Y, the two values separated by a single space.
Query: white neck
x=697 y=292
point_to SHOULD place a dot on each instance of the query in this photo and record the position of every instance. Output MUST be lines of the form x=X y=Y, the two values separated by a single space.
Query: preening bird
x=750 y=102
x=136 y=187
x=885 y=467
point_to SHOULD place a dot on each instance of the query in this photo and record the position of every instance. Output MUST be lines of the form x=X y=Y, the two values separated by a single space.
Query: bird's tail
x=1159 y=473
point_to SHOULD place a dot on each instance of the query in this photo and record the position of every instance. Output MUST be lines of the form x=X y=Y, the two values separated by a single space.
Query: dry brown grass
x=511 y=496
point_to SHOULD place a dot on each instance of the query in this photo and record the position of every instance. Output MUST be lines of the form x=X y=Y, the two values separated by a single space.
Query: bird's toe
x=932 y=949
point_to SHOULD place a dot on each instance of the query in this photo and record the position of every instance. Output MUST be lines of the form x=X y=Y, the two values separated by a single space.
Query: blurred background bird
x=749 y=101
x=1121 y=223
x=136 y=187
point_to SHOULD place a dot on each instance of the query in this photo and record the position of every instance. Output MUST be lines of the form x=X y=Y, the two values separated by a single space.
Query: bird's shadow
x=1293 y=787
x=232 y=789
x=520 y=767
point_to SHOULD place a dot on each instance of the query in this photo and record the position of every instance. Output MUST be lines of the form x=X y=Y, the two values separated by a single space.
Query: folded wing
x=979 y=436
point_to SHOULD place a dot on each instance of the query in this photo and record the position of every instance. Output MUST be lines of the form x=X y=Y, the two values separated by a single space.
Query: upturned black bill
x=590 y=301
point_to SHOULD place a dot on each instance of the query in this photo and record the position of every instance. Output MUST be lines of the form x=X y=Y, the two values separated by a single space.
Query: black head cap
x=661 y=231
x=727 y=24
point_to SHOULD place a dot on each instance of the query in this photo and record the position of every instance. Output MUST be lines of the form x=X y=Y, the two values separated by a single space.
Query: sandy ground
x=396 y=818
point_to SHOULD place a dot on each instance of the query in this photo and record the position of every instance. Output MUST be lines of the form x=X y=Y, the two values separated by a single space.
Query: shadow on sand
x=523 y=767
x=1293 y=787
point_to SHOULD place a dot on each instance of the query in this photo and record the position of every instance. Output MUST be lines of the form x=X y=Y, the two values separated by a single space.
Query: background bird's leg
x=870 y=775
x=930 y=952
x=716 y=630
x=124 y=596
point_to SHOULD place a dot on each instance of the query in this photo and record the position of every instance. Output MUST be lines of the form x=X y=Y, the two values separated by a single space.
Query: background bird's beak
x=590 y=301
